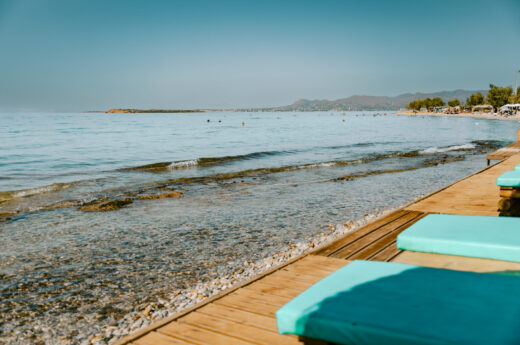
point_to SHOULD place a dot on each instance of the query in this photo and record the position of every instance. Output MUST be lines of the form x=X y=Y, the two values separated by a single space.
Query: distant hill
x=371 y=102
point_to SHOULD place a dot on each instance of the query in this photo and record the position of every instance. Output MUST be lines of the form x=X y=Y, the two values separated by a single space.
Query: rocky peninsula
x=134 y=111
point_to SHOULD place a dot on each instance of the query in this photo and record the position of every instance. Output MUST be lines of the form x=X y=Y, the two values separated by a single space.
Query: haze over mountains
x=357 y=102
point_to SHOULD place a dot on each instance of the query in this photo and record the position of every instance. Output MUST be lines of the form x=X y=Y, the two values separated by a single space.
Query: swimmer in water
x=243 y=123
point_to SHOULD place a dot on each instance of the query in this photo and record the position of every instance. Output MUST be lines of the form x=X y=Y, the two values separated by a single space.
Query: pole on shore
x=516 y=83
x=518 y=136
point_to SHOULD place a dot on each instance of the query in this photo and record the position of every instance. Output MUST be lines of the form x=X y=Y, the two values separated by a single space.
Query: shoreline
x=181 y=300
x=462 y=115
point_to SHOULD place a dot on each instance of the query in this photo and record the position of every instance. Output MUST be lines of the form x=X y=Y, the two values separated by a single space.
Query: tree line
x=496 y=97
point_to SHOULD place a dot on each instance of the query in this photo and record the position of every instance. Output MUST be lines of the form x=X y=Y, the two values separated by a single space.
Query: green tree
x=515 y=98
x=437 y=102
x=498 y=96
x=427 y=103
x=475 y=99
x=454 y=102
x=415 y=105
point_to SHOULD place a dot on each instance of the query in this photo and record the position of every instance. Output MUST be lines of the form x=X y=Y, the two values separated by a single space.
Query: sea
x=103 y=215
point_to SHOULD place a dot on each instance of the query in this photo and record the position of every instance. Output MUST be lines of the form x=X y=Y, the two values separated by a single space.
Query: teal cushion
x=517 y=168
x=370 y=302
x=476 y=236
x=509 y=179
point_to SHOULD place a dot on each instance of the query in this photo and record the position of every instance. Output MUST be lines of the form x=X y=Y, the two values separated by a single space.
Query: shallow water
x=247 y=192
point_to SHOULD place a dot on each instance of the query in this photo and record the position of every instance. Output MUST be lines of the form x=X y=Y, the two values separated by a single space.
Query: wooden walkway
x=505 y=152
x=246 y=314
x=475 y=195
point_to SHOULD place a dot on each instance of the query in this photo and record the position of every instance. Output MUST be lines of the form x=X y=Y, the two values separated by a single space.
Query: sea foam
x=447 y=149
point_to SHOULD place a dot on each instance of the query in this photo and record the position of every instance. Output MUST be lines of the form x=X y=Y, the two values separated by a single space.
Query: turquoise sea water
x=247 y=191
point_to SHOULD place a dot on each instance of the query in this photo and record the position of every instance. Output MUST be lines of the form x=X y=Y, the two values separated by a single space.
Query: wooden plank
x=262 y=297
x=315 y=269
x=322 y=261
x=254 y=297
x=285 y=283
x=510 y=193
x=198 y=336
x=240 y=316
x=237 y=329
x=247 y=305
x=385 y=241
x=154 y=338
x=300 y=277
x=317 y=266
x=365 y=241
x=387 y=254
x=453 y=262
x=465 y=198
x=274 y=289
x=352 y=236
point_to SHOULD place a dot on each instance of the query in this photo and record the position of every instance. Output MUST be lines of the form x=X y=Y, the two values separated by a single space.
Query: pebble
x=178 y=300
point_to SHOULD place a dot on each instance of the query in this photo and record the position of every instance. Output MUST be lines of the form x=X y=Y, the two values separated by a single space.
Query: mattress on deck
x=517 y=168
x=370 y=302
x=509 y=179
x=474 y=236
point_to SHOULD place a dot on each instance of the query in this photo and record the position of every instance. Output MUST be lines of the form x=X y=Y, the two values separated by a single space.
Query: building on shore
x=510 y=109
x=483 y=108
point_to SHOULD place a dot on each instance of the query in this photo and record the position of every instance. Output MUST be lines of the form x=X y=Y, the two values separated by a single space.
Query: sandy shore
x=471 y=115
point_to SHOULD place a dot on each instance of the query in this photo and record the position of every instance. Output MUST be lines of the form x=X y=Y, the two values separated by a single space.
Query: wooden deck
x=246 y=314
x=475 y=195
x=505 y=152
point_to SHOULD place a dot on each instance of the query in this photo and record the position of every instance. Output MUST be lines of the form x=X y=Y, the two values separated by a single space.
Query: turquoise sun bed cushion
x=509 y=179
x=517 y=168
x=476 y=236
x=370 y=302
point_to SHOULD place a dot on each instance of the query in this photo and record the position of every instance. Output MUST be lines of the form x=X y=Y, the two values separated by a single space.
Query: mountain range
x=358 y=102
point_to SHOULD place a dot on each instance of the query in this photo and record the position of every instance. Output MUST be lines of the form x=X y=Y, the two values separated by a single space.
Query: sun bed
x=370 y=302
x=509 y=179
x=474 y=236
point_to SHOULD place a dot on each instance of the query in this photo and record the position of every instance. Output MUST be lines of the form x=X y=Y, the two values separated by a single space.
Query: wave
x=418 y=159
x=212 y=161
x=203 y=162
x=22 y=193
x=183 y=164
x=476 y=146
x=465 y=147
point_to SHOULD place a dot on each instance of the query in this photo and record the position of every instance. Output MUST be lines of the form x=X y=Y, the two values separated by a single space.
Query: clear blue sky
x=63 y=55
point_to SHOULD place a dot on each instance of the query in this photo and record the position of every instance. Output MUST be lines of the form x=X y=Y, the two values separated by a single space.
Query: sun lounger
x=509 y=179
x=475 y=236
x=369 y=302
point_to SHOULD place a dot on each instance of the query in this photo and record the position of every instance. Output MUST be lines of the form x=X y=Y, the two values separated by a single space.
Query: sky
x=62 y=55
